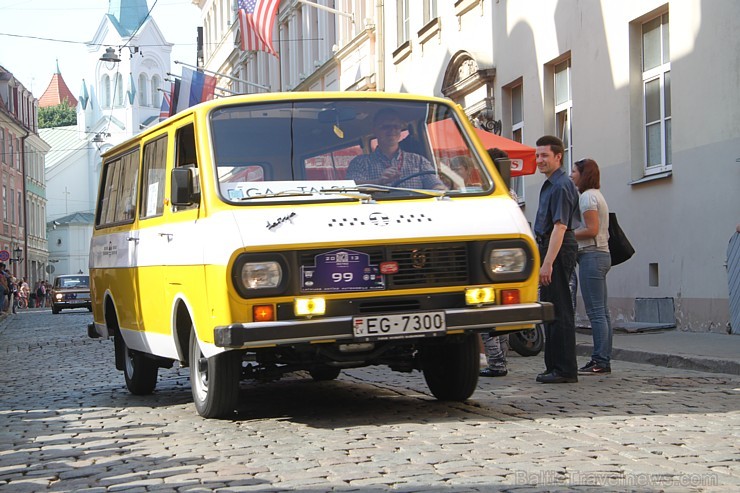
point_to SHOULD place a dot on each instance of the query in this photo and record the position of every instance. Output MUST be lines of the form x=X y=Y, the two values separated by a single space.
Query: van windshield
x=300 y=150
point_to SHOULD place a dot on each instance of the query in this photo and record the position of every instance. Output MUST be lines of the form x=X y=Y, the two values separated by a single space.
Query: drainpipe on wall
x=25 y=208
x=380 y=46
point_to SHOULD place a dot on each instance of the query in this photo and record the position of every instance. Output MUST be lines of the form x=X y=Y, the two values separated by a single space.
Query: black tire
x=528 y=342
x=451 y=368
x=55 y=310
x=214 y=381
x=140 y=372
x=324 y=373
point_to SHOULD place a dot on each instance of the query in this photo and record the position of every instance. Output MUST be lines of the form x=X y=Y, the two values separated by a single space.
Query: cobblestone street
x=69 y=424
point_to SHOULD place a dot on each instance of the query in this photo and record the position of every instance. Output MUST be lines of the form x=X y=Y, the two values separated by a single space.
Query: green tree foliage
x=61 y=115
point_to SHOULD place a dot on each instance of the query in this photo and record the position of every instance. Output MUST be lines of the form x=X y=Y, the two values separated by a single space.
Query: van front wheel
x=140 y=372
x=214 y=381
x=451 y=368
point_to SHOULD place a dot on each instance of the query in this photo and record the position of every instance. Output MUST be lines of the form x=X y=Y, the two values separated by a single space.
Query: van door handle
x=131 y=238
x=167 y=235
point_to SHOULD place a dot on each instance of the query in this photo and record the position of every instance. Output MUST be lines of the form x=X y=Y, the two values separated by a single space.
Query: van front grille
x=425 y=265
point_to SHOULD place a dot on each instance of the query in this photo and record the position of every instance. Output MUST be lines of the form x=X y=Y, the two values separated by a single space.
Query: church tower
x=121 y=96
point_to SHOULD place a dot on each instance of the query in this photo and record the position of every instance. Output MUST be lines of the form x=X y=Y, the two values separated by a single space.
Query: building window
x=2 y=145
x=430 y=10
x=5 y=204
x=143 y=92
x=12 y=206
x=156 y=97
x=656 y=82
x=517 y=129
x=564 y=110
x=118 y=91
x=105 y=88
x=402 y=17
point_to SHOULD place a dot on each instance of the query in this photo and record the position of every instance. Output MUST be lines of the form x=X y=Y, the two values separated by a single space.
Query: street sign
x=49 y=269
x=4 y=255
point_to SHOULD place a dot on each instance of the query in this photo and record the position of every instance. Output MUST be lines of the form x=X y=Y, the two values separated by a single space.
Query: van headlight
x=508 y=261
x=260 y=275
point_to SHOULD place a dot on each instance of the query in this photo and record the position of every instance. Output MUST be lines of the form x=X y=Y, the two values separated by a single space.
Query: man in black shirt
x=553 y=228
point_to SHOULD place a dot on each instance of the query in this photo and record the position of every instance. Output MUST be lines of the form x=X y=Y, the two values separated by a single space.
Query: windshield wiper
x=371 y=188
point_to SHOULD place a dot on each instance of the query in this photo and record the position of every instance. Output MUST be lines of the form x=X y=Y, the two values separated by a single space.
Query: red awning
x=444 y=136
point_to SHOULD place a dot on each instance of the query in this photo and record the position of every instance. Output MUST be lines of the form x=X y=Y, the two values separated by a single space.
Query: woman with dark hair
x=594 y=262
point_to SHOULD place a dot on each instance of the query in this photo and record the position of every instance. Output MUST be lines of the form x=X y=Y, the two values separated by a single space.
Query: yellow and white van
x=230 y=239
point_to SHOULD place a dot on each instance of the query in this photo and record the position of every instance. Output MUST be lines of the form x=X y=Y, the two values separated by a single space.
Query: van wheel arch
x=111 y=323
x=182 y=327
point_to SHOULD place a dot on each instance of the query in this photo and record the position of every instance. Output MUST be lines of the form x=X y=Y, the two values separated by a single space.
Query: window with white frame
x=105 y=88
x=517 y=129
x=5 y=204
x=656 y=81
x=156 y=96
x=143 y=92
x=403 y=21
x=564 y=110
x=430 y=10
x=118 y=91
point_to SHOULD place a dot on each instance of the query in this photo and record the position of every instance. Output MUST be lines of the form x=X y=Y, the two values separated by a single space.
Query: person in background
x=3 y=287
x=553 y=228
x=495 y=347
x=594 y=262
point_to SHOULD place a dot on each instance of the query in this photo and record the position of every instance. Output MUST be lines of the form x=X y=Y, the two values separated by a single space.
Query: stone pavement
x=67 y=423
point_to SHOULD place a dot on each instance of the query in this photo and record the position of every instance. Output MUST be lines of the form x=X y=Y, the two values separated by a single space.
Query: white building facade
x=647 y=88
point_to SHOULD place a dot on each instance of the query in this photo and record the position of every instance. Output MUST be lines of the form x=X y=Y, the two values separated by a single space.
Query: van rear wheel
x=140 y=372
x=451 y=368
x=214 y=381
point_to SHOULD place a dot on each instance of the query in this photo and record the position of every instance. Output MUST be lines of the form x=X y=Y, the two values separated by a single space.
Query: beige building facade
x=647 y=88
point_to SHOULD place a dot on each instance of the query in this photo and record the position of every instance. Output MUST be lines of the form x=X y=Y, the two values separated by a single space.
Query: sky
x=34 y=34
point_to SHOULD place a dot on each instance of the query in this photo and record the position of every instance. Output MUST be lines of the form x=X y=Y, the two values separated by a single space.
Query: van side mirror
x=182 y=186
x=504 y=168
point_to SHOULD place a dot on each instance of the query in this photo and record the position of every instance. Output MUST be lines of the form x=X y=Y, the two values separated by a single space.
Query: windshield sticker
x=341 y=270
x=270 y=188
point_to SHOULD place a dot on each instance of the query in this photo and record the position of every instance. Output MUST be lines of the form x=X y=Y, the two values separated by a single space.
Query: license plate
x=399 y=325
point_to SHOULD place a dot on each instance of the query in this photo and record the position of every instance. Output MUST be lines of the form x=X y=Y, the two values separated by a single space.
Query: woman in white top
x=594 y=261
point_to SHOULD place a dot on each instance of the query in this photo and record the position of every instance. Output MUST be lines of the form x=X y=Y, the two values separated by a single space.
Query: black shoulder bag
x=620 y=247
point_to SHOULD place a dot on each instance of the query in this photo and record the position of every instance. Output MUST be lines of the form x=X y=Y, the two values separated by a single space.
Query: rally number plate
x=399 y=326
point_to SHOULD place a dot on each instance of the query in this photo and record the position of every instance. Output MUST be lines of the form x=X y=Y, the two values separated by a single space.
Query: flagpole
x=259 y=86
x=328 y=9
x=217 y=87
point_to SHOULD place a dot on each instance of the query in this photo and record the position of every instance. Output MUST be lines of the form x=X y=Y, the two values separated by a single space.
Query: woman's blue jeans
x=592 y=269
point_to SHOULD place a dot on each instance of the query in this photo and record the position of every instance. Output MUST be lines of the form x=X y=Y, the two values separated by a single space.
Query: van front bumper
x=478 y=319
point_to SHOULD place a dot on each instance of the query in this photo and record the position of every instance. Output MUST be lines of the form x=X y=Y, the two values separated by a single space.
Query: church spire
x=129 y=14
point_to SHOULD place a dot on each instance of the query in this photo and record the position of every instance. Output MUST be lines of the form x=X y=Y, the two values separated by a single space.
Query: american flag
x=256 y=20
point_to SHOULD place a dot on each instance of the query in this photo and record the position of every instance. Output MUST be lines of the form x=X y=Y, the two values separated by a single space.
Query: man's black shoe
x=493 y=372
x=555 y=378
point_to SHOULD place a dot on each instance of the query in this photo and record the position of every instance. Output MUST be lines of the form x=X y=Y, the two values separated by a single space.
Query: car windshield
x=73 y=282
x=332 y=149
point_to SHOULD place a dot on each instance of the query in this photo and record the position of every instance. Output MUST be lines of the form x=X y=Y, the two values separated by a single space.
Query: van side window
x=186 y=156
x=153 y=176
x=117 y=202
